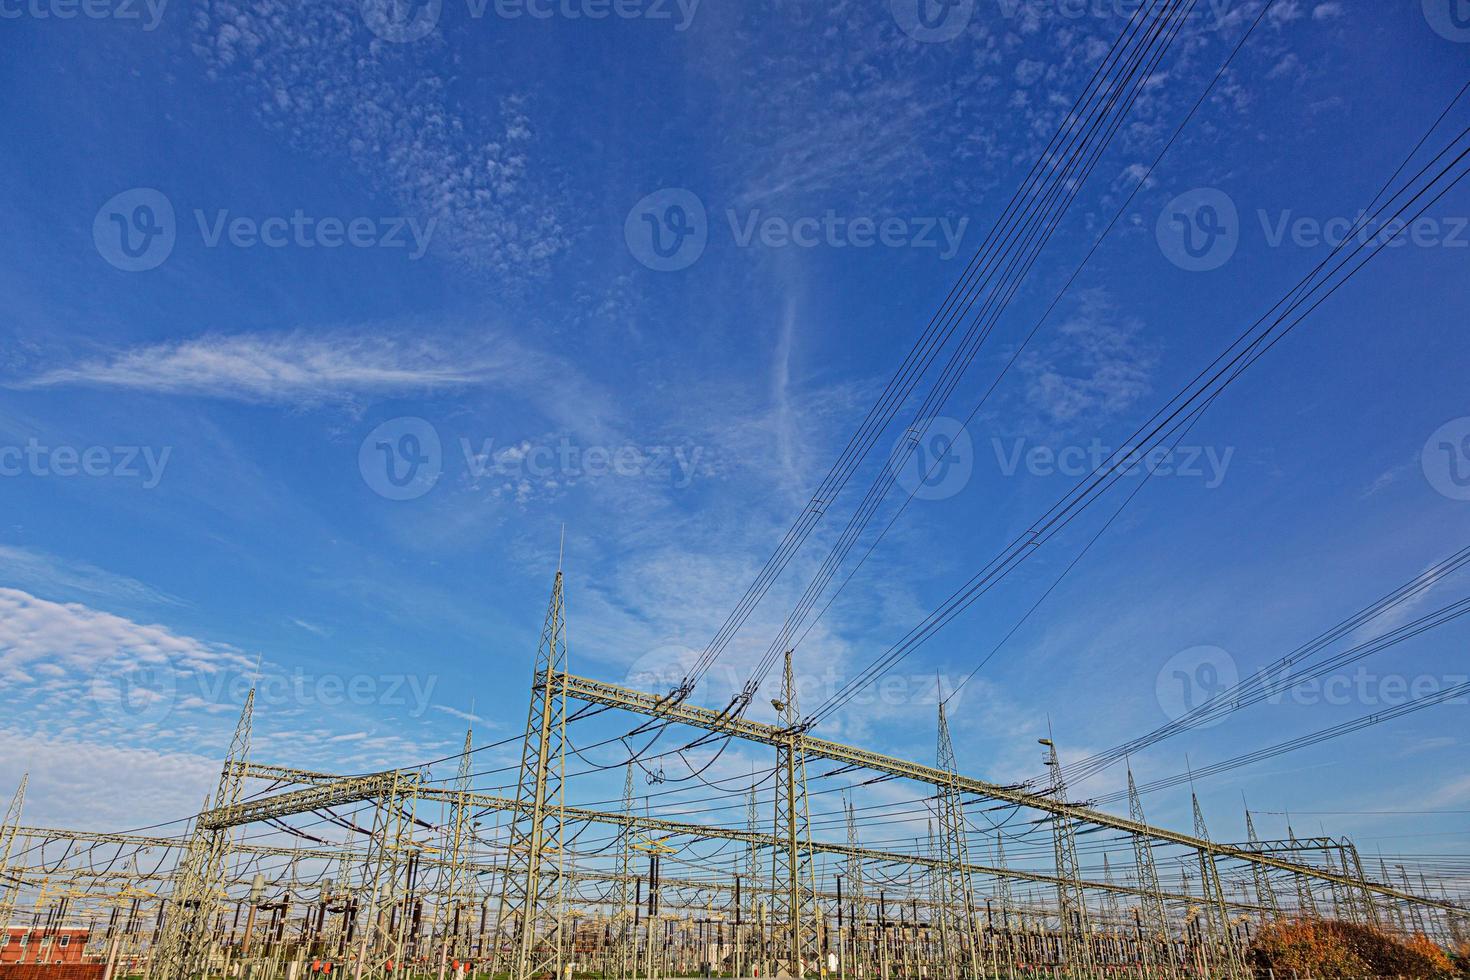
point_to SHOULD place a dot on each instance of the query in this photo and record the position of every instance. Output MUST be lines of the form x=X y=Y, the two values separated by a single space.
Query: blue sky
x=445 y=239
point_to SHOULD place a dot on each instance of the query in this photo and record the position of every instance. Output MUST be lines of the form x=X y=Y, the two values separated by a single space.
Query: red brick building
x=58 y=945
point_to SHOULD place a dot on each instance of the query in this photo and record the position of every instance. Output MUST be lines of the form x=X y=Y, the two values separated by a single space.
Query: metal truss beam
x=354 y=789
x=657 y=706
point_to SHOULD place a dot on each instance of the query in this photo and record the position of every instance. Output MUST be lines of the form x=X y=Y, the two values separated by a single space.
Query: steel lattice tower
x=533 y=888
x=1218 y=918
x=1155 y=918
x=1003 y=883
x=1353 y=865
x=459 y=882
x=856 y=901
x=1071 y=899
x=197 y=887
x=7 y=841
x=1265 y=892
x=956 y=894
x=1306 y=904
x=627 y=941
x=793 y=886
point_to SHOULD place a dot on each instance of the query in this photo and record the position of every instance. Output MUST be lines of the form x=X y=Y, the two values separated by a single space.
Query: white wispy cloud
x=1098 y=365
x=306 y=370
x=40 y=571
x=44 y=642
x=74 y=782
x=280 y=368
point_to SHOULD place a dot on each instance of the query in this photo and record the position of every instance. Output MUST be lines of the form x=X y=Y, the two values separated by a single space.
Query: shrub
x=1329 y=948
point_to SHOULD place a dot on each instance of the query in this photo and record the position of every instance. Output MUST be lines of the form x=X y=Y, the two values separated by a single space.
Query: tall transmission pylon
x=7 y=842
x=382 y=867
x=1353 y=864
x=1306 y=903
x=1110 y=897
x=1071 y=899
x=956 y=893
x=198 y=887
x=533 y=889
x=1218 y=918
x=857 y=901
x=627 y=940
x=793 y=885
x=1154 y=916
x=1397 y=907
x=459 y=880
x=753 y=910
x=1265 y=893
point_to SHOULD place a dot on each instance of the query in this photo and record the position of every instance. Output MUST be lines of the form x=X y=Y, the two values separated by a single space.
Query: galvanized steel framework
x=377 y=922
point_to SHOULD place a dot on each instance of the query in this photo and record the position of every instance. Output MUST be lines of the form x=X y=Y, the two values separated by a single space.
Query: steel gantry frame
x=534 y=911
x=603 y=693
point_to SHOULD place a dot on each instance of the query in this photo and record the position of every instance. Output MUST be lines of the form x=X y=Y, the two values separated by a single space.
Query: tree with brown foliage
x=1329 y=948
